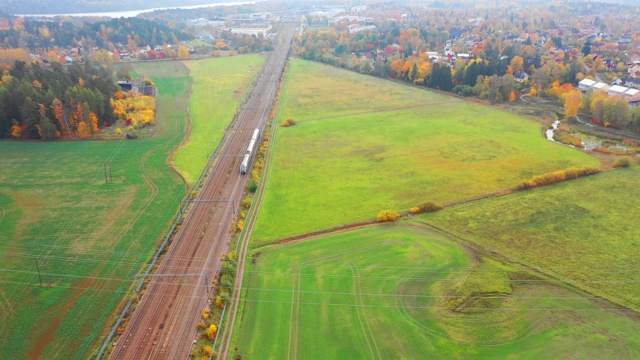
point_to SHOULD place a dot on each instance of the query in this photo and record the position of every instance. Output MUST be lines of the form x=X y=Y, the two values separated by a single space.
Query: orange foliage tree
x=572 y=103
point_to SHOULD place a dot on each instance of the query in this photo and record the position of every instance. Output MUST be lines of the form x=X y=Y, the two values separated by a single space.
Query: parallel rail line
x=164 y=323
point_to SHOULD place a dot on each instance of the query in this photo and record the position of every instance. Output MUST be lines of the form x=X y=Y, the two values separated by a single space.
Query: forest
x=47 y=103
x=133 y=32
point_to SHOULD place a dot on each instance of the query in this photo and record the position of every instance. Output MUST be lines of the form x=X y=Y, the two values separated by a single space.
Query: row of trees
x=40 y=103
x=607 y=110
x=130 y=32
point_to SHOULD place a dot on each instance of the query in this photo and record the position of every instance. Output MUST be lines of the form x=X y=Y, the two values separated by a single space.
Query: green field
x=584 y=232
x=397 y=292
x=364 y=144
x=56 y=206
x=91 y=237
x=218 y=87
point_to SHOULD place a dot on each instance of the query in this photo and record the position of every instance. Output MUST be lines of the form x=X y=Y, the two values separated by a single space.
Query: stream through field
x=551 y=130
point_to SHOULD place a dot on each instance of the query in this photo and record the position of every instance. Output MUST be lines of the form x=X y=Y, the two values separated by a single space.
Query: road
x=164 y=323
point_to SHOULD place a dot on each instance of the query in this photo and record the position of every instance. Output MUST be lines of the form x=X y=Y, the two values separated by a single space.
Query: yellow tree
x=596 y=106
x=94 y=122
x=83 y=130
x=425 y=69
x=572 y=103
x=183 y=52
x=517 y=63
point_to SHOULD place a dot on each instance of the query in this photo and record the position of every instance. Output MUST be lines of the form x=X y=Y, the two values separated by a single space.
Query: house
x=632 y=95
x=633 y=70
x=586 y=84
x=125 y=85
x=617 y=90
x=521 y=76
x=631 y=82
x=355 y=28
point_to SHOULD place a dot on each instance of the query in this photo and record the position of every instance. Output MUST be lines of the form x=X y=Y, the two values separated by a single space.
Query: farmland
x=406 y=292
x=218 y=87
x=584 y=232
x=363 y=144
x=90 y=237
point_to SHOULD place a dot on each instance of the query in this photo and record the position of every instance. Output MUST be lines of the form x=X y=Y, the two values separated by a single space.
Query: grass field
x=218 y=87
x=55 y=205
x=584 y=232
x=363 y=145
x=397 y=292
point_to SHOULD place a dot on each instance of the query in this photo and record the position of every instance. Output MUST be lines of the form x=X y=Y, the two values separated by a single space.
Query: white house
x=632 y=95
x=586 y=84
x=617 y=90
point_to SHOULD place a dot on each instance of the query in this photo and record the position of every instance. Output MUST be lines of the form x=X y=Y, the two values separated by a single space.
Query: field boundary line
x=187 y=134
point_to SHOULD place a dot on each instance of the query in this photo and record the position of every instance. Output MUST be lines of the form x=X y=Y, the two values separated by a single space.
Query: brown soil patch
x=46 y=330
x=31 y=209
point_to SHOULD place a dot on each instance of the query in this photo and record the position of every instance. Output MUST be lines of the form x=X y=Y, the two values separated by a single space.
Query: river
x=134 y=13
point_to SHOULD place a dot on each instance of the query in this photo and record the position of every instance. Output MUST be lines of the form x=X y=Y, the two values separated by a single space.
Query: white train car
x=244 y=166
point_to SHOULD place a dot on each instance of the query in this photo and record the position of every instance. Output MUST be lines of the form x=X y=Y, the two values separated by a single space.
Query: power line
x=197 y=285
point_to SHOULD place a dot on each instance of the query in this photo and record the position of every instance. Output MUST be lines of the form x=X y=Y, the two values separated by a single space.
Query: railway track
x=164 y=323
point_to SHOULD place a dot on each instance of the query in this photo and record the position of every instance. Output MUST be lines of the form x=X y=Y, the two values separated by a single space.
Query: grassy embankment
x=397 y=292
x=584 y=232
x=364 y=144
x=54 y=204
x=218 y=88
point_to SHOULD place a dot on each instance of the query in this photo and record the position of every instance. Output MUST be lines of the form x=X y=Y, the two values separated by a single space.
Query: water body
x=553 y=128
x=134 y=13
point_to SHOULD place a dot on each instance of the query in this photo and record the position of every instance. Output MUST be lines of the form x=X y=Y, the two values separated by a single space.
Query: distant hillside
x=81 y=6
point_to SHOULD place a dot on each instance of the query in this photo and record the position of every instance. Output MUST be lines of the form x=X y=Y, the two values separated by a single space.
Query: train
x=247 y=155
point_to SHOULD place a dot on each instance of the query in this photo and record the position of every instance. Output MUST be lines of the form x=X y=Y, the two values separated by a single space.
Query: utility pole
x=107 y=172
x=46 y=262
x=206 y=277
x=39 y=277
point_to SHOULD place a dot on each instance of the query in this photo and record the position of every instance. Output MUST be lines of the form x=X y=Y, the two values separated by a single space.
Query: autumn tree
x=572 y=103
x=616 y=111
x=386 y=215
x=517 y=64
x=58 y=112
x=94 y=122
x=211 y=332
x=220 y=44
x=596 y=102
x=183 y=52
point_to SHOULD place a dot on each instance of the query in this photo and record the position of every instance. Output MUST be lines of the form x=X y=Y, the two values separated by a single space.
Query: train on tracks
x=247 y=155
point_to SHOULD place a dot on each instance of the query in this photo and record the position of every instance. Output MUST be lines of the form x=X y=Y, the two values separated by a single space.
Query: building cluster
x=248 y=24
x=630 y=94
